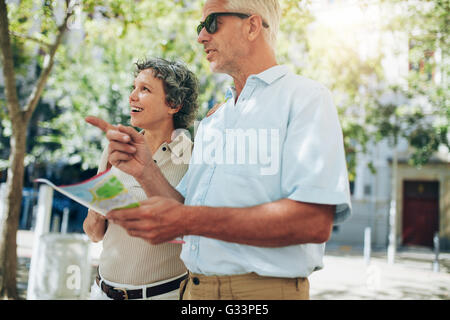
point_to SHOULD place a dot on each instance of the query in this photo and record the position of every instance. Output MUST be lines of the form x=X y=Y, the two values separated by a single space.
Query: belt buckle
x=125 y=297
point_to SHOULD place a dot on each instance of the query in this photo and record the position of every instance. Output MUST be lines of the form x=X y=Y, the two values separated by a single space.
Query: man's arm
x=276 y=224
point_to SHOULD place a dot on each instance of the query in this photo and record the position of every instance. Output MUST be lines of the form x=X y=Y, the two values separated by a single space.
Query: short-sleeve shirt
x=280 y=139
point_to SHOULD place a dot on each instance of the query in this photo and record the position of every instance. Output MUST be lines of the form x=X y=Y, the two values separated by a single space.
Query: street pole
x=392 y=247
x=65 y=221
x=42 y=227
x=436 y=252
x=367 y=245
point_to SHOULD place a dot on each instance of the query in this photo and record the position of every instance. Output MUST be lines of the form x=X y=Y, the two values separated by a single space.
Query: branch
x=12 y=101
x=23 y=36
x=47 y=67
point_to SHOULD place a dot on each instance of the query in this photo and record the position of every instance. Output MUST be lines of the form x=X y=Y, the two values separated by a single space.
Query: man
x=267 y=178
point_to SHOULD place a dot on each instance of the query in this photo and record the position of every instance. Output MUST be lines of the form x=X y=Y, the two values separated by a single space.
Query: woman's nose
x=133 y=95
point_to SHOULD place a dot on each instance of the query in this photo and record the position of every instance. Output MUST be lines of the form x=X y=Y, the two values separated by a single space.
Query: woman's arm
x=95 y=226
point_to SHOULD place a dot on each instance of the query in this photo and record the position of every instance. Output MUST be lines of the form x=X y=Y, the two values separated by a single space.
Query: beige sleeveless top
x=134 y=261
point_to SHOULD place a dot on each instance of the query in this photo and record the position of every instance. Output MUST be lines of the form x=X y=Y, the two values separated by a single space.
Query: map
x=102 y=193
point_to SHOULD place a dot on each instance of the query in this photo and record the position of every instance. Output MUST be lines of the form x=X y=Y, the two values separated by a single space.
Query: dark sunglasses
x=210 y=23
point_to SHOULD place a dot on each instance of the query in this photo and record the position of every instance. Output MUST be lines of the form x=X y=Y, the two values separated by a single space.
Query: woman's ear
x=173 y=110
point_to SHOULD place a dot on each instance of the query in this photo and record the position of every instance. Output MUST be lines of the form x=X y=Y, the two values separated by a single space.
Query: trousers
x=250 y=286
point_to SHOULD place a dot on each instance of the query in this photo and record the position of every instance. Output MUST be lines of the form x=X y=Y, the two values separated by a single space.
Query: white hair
x=269 y=10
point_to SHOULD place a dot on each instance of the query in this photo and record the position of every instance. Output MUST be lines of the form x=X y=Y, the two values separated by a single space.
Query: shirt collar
x=272 y=74
x=178 y=145
x=268 y=76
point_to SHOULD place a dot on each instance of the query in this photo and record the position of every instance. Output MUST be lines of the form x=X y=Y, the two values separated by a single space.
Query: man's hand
x=157 y=220
x=127 y=149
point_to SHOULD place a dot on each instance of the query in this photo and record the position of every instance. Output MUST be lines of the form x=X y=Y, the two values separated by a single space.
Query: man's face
x=224 y=48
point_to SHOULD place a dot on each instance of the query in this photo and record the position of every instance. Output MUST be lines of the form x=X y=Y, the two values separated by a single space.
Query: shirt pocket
x=244 y=170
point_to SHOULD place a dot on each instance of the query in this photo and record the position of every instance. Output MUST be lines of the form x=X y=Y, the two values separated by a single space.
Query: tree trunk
x=10 y=220
x=20 y=118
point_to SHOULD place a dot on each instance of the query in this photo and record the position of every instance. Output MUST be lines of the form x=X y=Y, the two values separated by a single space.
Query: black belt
x=124 y=294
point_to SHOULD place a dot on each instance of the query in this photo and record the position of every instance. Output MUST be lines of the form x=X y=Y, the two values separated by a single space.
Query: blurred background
x=385 y=61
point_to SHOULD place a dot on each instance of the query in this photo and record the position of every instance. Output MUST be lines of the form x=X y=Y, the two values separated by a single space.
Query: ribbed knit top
x=134 y=261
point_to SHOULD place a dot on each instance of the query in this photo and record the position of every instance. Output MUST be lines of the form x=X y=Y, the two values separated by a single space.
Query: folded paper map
x=102 y=193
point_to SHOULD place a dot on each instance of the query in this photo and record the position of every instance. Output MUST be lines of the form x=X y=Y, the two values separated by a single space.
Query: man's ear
x=255 y=27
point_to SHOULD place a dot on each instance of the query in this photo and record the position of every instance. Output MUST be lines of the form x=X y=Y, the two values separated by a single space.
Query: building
x=422 y=201
x=420 y=196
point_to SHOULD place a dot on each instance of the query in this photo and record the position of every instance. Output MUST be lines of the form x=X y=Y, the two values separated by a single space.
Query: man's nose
x=203 y=36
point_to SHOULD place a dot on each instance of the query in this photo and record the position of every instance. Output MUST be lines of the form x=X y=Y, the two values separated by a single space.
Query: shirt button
x=154 y=160
x=164 y=149
x=193 y=247
x=196 y=281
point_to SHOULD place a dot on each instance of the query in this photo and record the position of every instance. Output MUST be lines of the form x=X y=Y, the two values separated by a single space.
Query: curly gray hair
x=180 y=86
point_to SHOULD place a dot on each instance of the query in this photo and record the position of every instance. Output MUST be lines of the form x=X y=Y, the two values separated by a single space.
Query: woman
x=163 y=99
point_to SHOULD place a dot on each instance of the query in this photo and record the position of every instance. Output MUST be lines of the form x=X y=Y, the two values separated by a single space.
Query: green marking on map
x=132 y=205
x=108 y=190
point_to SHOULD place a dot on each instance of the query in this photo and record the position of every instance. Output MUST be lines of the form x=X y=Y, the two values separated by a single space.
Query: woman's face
x=148 y=107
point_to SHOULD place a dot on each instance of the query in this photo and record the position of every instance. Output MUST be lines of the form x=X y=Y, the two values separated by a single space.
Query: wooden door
x=420 y=212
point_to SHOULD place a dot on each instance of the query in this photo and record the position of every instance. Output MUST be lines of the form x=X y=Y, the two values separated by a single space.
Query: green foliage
x=94 y=71
x=423 y=120
x=94 y=68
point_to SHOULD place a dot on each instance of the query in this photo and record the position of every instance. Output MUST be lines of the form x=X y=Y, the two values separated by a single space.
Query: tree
x=422 y=113
x=95 y=72
x=19 y=116
x=118 y=32
x=348 y=58
x=417 y=111
x=333 y=56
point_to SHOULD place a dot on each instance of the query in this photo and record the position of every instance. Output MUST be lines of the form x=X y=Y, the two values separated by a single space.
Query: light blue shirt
x=281 y=139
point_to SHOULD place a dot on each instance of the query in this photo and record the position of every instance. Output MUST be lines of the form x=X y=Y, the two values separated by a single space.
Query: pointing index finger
x=132 y=133
x=100 y=123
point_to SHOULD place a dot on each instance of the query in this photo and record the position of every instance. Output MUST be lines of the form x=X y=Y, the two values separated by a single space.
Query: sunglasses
x=210 y=23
